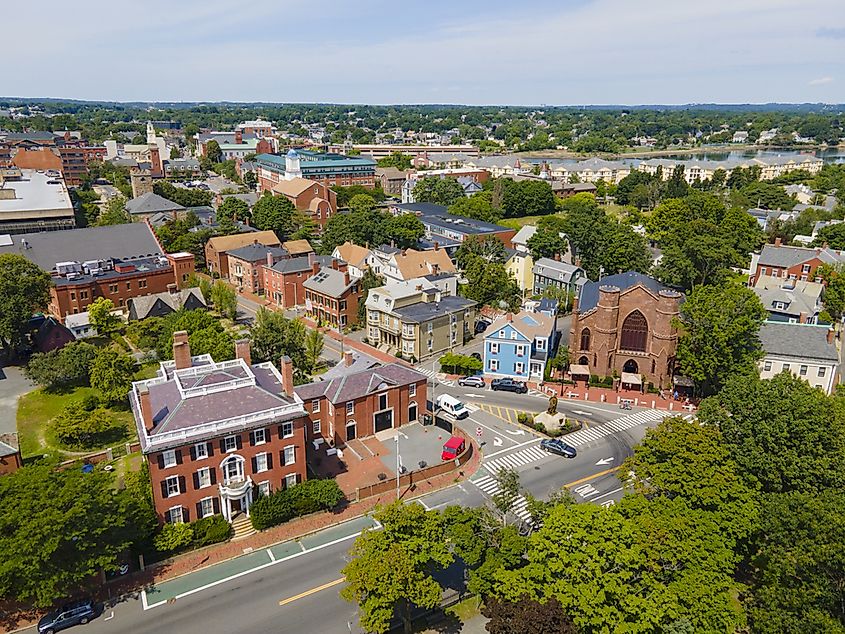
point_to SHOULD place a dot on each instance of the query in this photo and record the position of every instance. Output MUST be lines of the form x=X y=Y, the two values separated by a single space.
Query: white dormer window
x=513 y=334
x=501 y=334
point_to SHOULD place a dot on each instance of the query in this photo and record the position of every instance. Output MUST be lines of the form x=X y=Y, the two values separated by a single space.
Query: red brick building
x=622 y=326
x=218 y=435
x=217 y=249
x=360 y=404
x=10 y=455
x=284 y=281
x=312 y=198
x=116 y=262
x=64 y=152
x=246 y=265
x=792 y=263
x=331 y=296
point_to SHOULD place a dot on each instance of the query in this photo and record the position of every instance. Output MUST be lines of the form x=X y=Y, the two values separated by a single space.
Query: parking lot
x=419 y=446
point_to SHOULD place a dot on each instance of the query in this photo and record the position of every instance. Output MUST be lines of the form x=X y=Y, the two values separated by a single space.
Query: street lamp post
x=398 y=464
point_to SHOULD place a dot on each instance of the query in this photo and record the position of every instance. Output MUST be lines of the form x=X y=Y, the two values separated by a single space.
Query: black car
x=76 y=613
x=509 y=385
x=556 y=445
x=481 y=326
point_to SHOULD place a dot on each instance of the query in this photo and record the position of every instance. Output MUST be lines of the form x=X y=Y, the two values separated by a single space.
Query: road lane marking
x=272 y=556
x=307 y=593
x=522 y=444
x=604 y=495
x=495 y=431
x=592 y=477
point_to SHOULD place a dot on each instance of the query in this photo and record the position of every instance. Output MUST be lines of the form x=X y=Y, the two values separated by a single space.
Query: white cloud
x=821 y=81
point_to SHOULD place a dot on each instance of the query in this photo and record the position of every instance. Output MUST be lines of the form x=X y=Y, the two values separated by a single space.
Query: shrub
x=173 y=537
x=210 y=530
x=79 y=428
x=280 y=506
x=62 y=368
x=460 y=364
x=524 y=418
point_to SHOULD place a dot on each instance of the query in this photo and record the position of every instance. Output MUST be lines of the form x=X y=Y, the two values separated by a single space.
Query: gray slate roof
x=425 y=311
x=623 y=281
x=119 y=242
x=360 y=363
x=151 y=203
x=301 y=264
x=802 y=341
x=555 y=269
x=145 y=303
x=784 y=256
x=353 y=386
x=329 y=281
x=804 y=297
x=257 y=252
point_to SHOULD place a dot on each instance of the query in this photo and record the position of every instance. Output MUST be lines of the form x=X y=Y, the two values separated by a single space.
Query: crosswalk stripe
x=617 y=425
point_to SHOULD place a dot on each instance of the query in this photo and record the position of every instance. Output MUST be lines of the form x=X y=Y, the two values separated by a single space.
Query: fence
x=409 y=479
x=105 y=455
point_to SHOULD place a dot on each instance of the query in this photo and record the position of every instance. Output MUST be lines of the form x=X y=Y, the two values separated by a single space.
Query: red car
x=453 y=448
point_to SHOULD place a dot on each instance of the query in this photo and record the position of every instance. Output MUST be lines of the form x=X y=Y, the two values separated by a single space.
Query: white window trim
x=207 y=471
x=494 y=365
x=167 y=482
x=350 y=408
x=316 y=426
x=494 y=348
x=263 y=436
x=290 y=435
x=181 y=519
x=226 y=440
x=315 y=405
x=202 y=507
x=204 y=446
x=264 y=488
x=258 y=466
x=290 y=480
x=292 y=449
x=169 y=458
x=412 y=390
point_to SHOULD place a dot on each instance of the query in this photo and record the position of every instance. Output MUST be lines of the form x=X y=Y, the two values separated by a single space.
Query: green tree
x=225 y=299
x=111 y=374
x=213 y=152
x=102 y=318
x=440 y=191
x=234 y=209
x=313 y=349
x=396 y=159
x=360 y=226
x=834 y=295
x=24 y=289
x=58 y=529
x=274 y=336
x=250 y=180
x=78 y=428
x=718 y=339
x=115 y=213
x=526 y=616
x=390 y=571
x=488 y=248
x=527 y=198
x=63 y=367
x=274 y=213
x=784 y=434
x=491 y=284
x=505 y=499
x=404 y=230
x=369 y=281
x=547 y=243
x=478 y=206
x=362 y=203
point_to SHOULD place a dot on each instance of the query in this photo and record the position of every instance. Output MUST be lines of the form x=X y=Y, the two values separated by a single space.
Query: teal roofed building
x=328 y=169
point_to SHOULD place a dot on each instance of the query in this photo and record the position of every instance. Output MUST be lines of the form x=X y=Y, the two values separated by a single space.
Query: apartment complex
x=328 y=169
x=361 y=404
x=417 y=319
x=246 y=265
x=119 y=262
x=65 y=152
x=216 y=435
x=284 y=282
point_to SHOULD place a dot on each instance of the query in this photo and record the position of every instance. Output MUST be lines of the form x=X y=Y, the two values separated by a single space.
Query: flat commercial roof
x=36 y=195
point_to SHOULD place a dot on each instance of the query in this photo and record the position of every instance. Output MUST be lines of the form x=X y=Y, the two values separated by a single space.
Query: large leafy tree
x=526 y=617
x=111 y=374
x=390 y=570
x=404 y=230
x=62 y=367
x=234 y=209
x=490 y=283
x=225 y=299
x=834 y=294
x=102 y=317
x=274 y=213
x=58 y=529
x=478 y=206
x=784 y=434
x=527 y=198
x=798 y=582
x=24 y=289
x=718 y=334
x=440 y=191
x=547 y=243
x=274 y=336
x=488 y=248
x=114 y=213
x=364 y=226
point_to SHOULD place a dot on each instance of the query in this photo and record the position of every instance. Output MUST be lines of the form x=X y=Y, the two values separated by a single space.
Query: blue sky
x=413 y=51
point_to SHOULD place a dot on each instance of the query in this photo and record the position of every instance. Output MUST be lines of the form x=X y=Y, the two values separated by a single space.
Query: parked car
x=471 y=381
x=451 y=405
x=76 y=613
x=509 y=385
x=556 y=445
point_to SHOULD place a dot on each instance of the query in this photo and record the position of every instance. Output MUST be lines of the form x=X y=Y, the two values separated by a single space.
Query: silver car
x=471 y=381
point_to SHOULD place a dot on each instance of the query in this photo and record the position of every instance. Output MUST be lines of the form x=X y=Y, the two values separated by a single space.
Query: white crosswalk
x=597 y=432
x=488 y=485
x=517 y=459
x=436 y=376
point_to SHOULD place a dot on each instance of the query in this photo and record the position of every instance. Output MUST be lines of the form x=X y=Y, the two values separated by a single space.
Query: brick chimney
x=287 y=375
x=436 y=246
x=557 y=257
x=347 y=358
x=510 y=317
x=335 y=264
x=346 y=278
x=242 y=350
x=239 y=136
x=831 y=334
x=146 y=408
x=778 y=242
x=312 y=257
x=181 y=350
x=269 y=259
x=173 y=289
x=315 y=268
x=802 y=318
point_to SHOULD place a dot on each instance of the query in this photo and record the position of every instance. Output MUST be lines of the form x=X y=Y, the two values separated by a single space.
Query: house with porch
x=519 y=346
x=216 y=435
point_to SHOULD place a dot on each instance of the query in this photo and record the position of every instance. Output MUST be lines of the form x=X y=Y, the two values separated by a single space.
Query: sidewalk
x=608 y=395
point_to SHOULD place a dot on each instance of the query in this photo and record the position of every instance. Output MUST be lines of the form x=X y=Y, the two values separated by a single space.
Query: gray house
x=548 y=272
x=161 y=304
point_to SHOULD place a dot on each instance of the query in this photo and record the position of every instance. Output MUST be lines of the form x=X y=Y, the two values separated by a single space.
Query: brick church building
x=623 y=324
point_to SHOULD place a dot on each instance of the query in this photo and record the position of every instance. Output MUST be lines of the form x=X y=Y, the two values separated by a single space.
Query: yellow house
x=521 y=263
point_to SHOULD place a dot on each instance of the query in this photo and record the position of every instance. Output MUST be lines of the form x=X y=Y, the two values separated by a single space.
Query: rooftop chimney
x=173 y=289
x=315 y=268
x=287 y=375
x=557 y=257
x=146 y=408
x=346 y=278
x=347 y=358
x=334 y=264
x=778 y=242
x=510 y=317
x=239 y=136
x=242 y=350
x=436 y=246
x=181 y=350
x=269 y=259
x=831 y=333
x=312 y=257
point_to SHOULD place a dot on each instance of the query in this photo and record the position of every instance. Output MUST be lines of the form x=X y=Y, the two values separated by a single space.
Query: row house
x=218 y=435
x=246 y=265
x=549 y=273
x=361 y=404
x=284 y=281
x=217 y=249
x=791 y=263
x=118 y=262
x=331 y=296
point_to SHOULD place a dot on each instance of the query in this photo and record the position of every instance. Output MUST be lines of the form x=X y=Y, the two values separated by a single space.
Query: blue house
x=519 y=346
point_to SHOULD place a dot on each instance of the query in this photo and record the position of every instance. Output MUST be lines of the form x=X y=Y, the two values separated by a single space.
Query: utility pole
x=398 y=464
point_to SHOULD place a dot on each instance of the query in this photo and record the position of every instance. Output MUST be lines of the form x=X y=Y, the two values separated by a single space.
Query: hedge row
x=301 y=499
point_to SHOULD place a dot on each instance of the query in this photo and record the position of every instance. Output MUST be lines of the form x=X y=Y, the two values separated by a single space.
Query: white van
x=451 y=405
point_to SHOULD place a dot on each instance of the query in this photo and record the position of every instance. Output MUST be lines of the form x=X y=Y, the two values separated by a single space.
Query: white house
x=805 y=350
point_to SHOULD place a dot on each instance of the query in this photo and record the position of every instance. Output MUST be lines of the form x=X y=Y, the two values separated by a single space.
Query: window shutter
x=213 y=472
x=209 y=447
x=199 y=510
x=186 y=516
x=196 y=475
x=222 y=446
x=193 y=452
x=269 y=460
x=163 y=487
x=252 y=439
x=281 y=433
x=215 y=503
x=182 y=488
x=239 y=441
x=161 y=460
x=282 y=462
x=178 y=456
x=254 y=464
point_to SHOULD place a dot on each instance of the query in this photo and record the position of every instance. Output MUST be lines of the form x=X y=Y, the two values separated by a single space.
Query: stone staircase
x=241 y=527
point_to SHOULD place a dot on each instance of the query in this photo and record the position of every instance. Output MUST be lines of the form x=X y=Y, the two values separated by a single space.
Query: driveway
x=13 y=384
